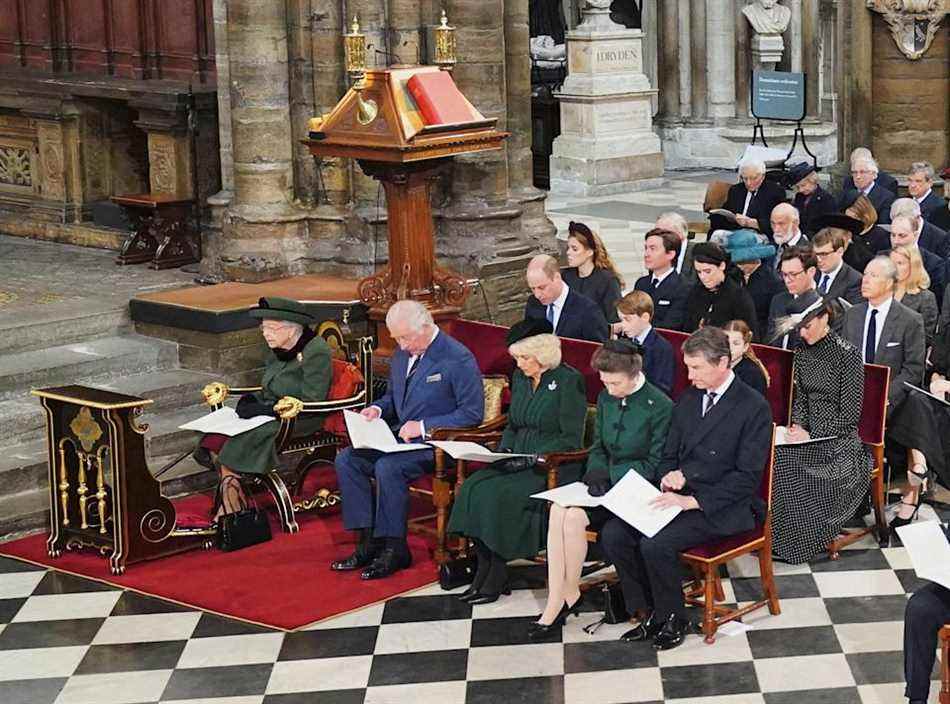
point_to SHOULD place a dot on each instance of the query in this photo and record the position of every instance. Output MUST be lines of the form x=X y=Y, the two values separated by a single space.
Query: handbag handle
x=243 y=500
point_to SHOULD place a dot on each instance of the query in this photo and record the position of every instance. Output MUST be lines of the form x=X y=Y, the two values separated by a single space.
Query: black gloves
x=597 y=481
x=248 y=406
x=513 y=465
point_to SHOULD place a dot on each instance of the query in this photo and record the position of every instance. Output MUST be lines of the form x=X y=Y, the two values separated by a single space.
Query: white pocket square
x=893 y=344
x=433 y=377
x=663 y=303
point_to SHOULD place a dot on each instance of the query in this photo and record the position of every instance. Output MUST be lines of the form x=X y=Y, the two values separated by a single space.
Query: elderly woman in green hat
x=298 y=367
x=749 y=253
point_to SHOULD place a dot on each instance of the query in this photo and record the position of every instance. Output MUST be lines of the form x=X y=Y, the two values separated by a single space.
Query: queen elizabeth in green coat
x=299 y=366
x=547 y=411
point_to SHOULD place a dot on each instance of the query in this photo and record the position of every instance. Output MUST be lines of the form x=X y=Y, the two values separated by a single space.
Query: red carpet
x=285 y=583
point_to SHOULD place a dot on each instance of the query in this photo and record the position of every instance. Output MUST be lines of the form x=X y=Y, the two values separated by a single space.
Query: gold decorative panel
x=17 y=166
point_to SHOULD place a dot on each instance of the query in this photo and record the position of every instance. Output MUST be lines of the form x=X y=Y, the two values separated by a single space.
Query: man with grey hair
x=751 y=200
x=920 y=181
x=434 y=382
x=883 y=178
x=886 y=331
x=864 y=172
x=929 y=236
x=571 y=314
x=674 y=222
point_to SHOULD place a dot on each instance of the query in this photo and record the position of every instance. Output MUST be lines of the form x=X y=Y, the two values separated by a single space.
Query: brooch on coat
x=552 y=386
x=300 y=356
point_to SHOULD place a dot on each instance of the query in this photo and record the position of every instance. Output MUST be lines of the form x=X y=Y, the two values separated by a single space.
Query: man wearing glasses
x=797 y=266
x=864 y=173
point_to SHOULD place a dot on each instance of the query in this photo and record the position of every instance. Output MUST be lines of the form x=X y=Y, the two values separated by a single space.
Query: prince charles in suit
x=716 y=450
x=434 y=382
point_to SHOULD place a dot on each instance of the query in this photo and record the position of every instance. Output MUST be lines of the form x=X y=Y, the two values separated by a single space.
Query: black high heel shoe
x=540 y=631
x=921 y=480
x=898 y=522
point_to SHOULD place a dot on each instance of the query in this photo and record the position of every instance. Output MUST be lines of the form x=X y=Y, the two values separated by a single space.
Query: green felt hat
x=276 y=308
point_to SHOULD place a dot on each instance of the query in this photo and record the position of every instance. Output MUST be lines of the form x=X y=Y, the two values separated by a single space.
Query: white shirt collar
x=882 y=309
x=558 y=302
x=681 y=257
x=867 y=191
x=722 y=388
x=924 y=196
x=831 y=274
x=660 y=278
x=643 y=335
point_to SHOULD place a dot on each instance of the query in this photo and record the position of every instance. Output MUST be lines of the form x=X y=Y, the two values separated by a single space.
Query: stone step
x=106 y=358
x=28 y=511
x=62 y=323
x=164 y=437
x=23 y=419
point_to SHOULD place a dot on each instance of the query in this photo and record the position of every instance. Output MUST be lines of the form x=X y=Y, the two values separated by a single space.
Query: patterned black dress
x=817 y=487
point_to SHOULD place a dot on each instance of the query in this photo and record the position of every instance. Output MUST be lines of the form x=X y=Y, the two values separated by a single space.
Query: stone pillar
x=811 y=57
x=224 y=94
x=743 y=35
x=697 y=60
x=795 y=37
x=607 y=144
x=855 y=41
x=262 y=235
x=720 y=40
x=668 y=62
x=518 y=98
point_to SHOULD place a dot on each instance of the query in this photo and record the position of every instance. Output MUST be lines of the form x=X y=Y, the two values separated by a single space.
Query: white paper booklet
x=629 y=499
x=727 y=214
x=781 y=438
x=225 y=421
x=471 y=451
x=929 y=550
x=927 y=393
x=375 y=435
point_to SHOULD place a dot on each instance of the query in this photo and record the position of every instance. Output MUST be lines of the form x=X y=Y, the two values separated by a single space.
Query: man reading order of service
x=434 y=382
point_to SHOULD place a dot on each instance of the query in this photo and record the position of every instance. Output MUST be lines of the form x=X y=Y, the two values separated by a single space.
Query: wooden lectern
x=404 y=154
x=101 y=493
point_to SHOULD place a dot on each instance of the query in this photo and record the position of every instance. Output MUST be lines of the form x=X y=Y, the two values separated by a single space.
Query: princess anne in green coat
x=547 y=411
x=299 y=366
x=633 y=419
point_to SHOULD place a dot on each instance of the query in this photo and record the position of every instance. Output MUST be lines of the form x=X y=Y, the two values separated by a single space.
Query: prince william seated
x=712 y=466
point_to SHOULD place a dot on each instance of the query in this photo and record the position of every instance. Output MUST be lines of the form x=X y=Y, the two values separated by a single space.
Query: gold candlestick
x=445 y=44
x=354 y=44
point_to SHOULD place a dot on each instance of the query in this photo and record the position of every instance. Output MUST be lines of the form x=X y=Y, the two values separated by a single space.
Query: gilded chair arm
x=215 y=393
x=357 y=400
x=288 y=407
x=552 y=462
x=245 y=389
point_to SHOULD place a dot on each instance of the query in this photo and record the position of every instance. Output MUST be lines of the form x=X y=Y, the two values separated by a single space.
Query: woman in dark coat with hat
x=719 y=298
x=547 y=412
x=811 y=200
x=298 y=367
x=760 y=280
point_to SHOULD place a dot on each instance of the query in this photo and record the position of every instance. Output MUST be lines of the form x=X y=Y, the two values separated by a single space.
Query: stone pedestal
x=767 y=51
x=607 y=144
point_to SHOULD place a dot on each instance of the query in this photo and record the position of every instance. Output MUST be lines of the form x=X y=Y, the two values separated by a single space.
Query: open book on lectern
x=376 y=435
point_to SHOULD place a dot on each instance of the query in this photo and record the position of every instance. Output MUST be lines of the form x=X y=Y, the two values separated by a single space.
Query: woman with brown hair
x=745 y=364
x=913 y=287
x=872 y=235
x=590 y=270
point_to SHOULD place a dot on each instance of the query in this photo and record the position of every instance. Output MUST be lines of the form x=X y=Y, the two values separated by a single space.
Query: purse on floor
x=242 y=528
x=456 y=573
x=615 y=608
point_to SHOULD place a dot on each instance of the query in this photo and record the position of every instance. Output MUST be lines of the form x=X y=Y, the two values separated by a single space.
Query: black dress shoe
x=469 y=593
x=488 y=597
x=673 y=633
x=361 y=557
x=645 y=630
x=388 y=562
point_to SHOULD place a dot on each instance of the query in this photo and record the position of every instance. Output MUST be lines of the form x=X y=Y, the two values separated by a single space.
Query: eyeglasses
x=792 y=274
x=822 y=255
x=855 y=172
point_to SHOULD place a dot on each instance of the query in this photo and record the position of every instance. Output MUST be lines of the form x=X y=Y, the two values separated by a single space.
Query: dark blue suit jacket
x=669 y=299
x=934 y=239
x=722 y=454
x=580 y=318
x=936 y=268
x=658 y=361
x=932 y=205
x=880 y=197
x=445 y=390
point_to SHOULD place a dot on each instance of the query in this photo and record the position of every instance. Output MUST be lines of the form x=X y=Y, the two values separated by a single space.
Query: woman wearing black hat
x=298 y=367
x=818 y=486
x=633 y=417
x=719 y=299
x=591 y=272
x=811 y=200
x=547 y=412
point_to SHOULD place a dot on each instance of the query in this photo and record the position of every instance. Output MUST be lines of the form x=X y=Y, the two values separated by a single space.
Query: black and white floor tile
x=66 y=640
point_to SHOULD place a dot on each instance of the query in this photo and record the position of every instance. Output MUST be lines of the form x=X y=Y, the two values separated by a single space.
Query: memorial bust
x=767 y=16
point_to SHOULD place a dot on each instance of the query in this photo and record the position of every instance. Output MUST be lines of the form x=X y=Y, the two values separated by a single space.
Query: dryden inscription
x=617 y=57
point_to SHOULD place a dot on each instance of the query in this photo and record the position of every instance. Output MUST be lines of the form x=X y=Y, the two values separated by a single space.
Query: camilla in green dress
x=494 y=508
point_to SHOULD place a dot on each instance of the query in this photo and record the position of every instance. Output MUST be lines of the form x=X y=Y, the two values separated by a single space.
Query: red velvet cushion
x=719 y=547
x=346 y=381
x=874 y=407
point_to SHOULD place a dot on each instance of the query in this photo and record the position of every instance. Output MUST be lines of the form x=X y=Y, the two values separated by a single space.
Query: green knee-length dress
x=305 y=376
x=496 y=507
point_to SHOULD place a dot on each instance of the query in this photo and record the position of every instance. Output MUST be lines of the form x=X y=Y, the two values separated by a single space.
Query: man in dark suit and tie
x=864 y=172
x=571 y=314
x=663 y=284
x=434 y=382
x=798 y=266
x=835 y=279
x=920 y=181
x=786 y=232
x=752 y=200
x=883 y=178
x=712 y=464
x=929 y=236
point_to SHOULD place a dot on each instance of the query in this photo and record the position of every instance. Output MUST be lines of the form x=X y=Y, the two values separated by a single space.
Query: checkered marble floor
x=837 y=641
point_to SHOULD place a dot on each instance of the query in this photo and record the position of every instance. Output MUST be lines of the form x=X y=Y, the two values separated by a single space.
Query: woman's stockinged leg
x=555 y=557
x=564 y=570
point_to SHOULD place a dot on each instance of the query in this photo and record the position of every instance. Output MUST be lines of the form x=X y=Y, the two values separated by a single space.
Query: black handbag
x=456 y=573
x=615 y=608
x=243 y=528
